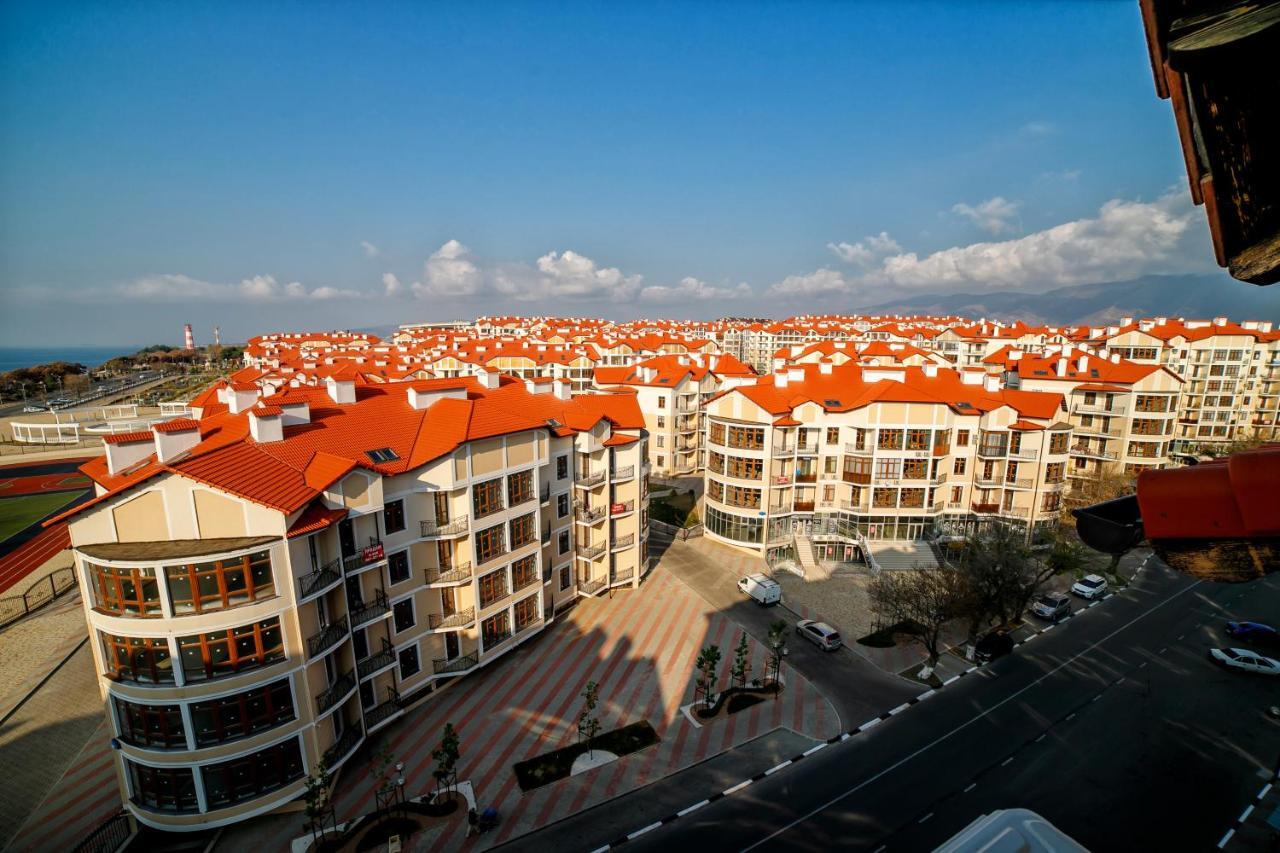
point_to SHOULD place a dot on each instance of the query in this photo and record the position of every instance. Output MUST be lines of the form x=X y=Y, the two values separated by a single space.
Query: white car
x=764 y=590
x=1245 y=661
x=820 y=634
x=1090 y=586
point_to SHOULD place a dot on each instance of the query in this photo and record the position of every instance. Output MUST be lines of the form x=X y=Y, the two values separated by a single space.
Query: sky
x=340 y=165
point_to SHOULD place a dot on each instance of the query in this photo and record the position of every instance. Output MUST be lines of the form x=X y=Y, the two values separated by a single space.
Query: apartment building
x=851 y=455
x=1122 y=412
x=670 y=391
x=271 y=581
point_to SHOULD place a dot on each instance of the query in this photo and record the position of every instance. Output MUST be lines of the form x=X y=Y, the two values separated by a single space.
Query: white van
x=764 y=589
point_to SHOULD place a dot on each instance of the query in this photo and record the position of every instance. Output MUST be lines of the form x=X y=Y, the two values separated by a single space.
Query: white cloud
x=995 y=215
x=370 y=250
x=450 y=273
x=175 y=287
x=865 y=251
x=565 y=274
x=818 y=283
x=391 y=285
x=692 y=289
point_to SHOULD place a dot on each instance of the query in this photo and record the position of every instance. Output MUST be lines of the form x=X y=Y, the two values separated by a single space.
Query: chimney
x=295 y=412
x=174 y=438
x=241 y=396
x=341 y=391
x=1115 y=358
x=1015 y=355
x=537 y=387
x=488 y=379
x=991 y=383
x=1219 y=321
x=1061 y=368
x=1126 y=321
x=126 y=449
x=1082 y=364
x=420 y=400
x=266 y=424
x=824 y=367
x=930 y=370
x=781 y=378
x=562 y=389
x=796 y=374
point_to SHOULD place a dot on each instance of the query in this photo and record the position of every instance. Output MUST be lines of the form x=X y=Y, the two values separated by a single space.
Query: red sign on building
x=373 y=553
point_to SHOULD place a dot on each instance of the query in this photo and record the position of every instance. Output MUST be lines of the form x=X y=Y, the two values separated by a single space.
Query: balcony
x=437 y=529
x=986 y=508
x=993 y=451
x=591 y=587
x=855 y=450
x=856 y=477
x=590 y=481
x=941 y=449
x=939 y=479
x=623 y=542
x=621 y=575
x=525 y=582
x=1098 y=409
x=1092 y=452
x=590 y=552
x=806 y=450
x=622 y=507
x=621 y=474
x=446 y=666
x=319 y=579
x=1020 y=483
x=344 y=684
x=807 y=477
x=367 y=611
x=1025 y=454
x=457 y=619
x=343 y=746
x=991 y=482
x=497 y=638
x=450 y=574
x=783 y=450
x=327 y=637
x=379 y=714
x=803 y=506
x=590 y=515
x=380 y=659
x=686 y=408
x=545 y=495
x=370 y=555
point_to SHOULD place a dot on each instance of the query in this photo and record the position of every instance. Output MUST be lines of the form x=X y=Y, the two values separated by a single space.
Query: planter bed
x=557 y=764
x=736 y=699
x=887 y=638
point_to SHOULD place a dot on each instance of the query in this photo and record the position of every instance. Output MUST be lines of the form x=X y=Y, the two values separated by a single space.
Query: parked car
x=1090 y=586
x=1244 y=661
x=820 y=634
x=763 y=589
x=1254 y=632
x=1052 y=606
x=997 y=643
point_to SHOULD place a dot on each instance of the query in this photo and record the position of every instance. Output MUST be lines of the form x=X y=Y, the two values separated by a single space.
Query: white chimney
x=174 y=438
x=796 y=374
x=266 y=424
x=930 y=370
x=1015 y=355
x=420 y=400
x=488 y=379
x=126 y=449
x=562 y=389
x=824 y=367
x=241 y=396
x=1061 y=367
x=991 y=383
x=537 y=387
x=1115 y=358
x=295 y=412
x=1219 y=321
x=781 y=378
x=971 y=377
x=341 y=391
x=1082 y=364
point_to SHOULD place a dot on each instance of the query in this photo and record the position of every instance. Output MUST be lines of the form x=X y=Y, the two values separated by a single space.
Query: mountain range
x=1199 y=296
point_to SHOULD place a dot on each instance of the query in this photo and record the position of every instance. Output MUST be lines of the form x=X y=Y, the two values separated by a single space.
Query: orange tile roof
x=129 y=437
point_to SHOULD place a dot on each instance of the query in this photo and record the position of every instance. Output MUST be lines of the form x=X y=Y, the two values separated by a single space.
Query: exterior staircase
x=804 y=555
x=903 y=555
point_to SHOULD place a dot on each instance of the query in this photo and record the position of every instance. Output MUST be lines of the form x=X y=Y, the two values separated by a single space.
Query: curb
x=869 y=724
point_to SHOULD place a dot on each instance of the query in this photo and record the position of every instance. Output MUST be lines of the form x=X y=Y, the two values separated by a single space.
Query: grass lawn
x=17 y=513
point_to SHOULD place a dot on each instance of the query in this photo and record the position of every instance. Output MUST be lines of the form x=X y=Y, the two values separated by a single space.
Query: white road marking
x=775 y=769
x=642 y=831
x=1143 y=664
x=1007 y=761
x=1266 y=789
x=1226 y=838
x=868 y=724
x=1245 y=814
x=1042 y=737
x=925 y=695
x=951 y=679
x=892 y=767
x=736 y=788
x=972 y=785
x=811 y=750
x=692 y=808
x=898 y=710
x=1070 y=718
x=926 y=817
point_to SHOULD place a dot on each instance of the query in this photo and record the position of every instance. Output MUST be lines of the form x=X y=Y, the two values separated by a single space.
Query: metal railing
x=1098 y=408
x=379 y=714
x=1019 y=483
x=623 y=542
x=450 y=574
x=357 y=561
x=619 y=575
x=591 y=480
x=320 y=578
x=993 y=450
x=37 y=595
x=592 y=587
x=488 y=641
x=590 y=552
x=625 y=473
x=590 y=515
x=443 y=666
x=529 y=580
x=327 y=636
x=1085 y=450
x=783 y=450
x=448 y=528
x=545 y=494
x=622 y=507
x=850 y=447
x=457 y=619
x=341 y=686
x=108 y=836
x=376 y=661
x=979 y=507
x=367 y=611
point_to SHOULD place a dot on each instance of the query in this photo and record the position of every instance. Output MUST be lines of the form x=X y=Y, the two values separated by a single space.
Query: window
x=661 y=440
x=889 y=439
x=1058 y=442
x=829 y=465
x=566 y=578
x=662 y=461
x=524 y=572
x=382 y=454
x=398 y=566
x=918 y=439
x=154 y=726
x=234 y=650
x=409 y=663
x=717 y=433
x=882 y=498
x=140 y=659
x=715 y=461
x=715 y=490
x=833 y=435
x=519 y=488
x=562 y=467
x=126 y=592
x=486 y=497
x=743 y=497
x=562 y=505
x=1053 y=472
x=526 y=612
x=493 y=587
x=957 y=494
x=915 y=469
x=252 y=776
x=912 y=498
x=402 y=615
x=523 y=531
x=735 y=527
x=163 y=789
x=1052 y=502
x=495 y=629
x=562 y=542
x=662 y=402
x=746 y=438
x=662 y=423
x=888 y=469
x=958 y=466
x=962 y=438
x=227 y=718
x=490 y=543
x=744 y=468
x=221 y=584
x=393 y=515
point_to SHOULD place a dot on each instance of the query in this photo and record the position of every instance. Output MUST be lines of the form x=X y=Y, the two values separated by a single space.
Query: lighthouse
x=189 y=338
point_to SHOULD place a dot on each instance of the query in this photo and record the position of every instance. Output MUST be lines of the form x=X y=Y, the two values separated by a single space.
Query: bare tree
x=927 y=598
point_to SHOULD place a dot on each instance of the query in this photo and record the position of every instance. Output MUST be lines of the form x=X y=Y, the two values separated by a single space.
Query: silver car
x=1052 y=607
x=820 y=634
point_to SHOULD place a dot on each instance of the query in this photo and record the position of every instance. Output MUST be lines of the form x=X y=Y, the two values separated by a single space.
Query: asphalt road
x=856 y=688
x=1114 y=726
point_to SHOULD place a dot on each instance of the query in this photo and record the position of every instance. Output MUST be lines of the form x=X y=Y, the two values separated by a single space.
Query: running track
x=33 y=554
x=33 y=546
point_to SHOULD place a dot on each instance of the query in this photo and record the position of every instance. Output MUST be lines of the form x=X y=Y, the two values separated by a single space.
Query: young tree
x=741 y=662
x=381 y=770
x=777 y=643
x=446 y=757
x=707 y=664
x=588 y=724
x=319 y=808
x=928 y=598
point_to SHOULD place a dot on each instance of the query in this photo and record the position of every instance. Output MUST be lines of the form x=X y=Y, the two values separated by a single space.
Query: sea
x=11 y=358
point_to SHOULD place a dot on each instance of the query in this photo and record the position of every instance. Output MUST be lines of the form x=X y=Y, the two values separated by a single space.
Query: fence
x=676 y=532
x=109 y=836
x=40 y=593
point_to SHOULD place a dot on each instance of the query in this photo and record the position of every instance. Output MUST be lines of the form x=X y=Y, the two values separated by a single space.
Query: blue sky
x=287 y=165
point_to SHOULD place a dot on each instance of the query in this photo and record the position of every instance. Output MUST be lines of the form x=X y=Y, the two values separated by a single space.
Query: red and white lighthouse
x=190 y=338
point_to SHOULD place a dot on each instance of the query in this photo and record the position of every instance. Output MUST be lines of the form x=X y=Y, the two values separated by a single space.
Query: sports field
x=16 y=514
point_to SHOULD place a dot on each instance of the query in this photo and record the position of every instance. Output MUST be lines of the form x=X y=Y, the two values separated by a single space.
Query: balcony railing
x=625 y=473
x=1098 y=408
x=318 y=579
x=457 y=619
x=341 y=686
x=986 y=507
x=380 y=659
x=1085 y=450
x=620 y=575
x=993 y=450
x=941 y=449
x=806 y=450
x=1025 y=454
x=939 y=479
x=783 y=450
x=804 y=506
x=528 y=580
x=851 y=448
x=591 y=587
x=590 y=552
x=446 y=528
x=622 y=507
x=327 y=636
x=590 y=515
x=488 y=641
x=450 y=574
x=588 y=481
x=1019 y=483
x=856 y=477
x=366 y=557
x=367 y=611
x=342 y=747
x=443 y=666
x=623 y=542
x=379 y=714
x=545 y=495
x=807 y=477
